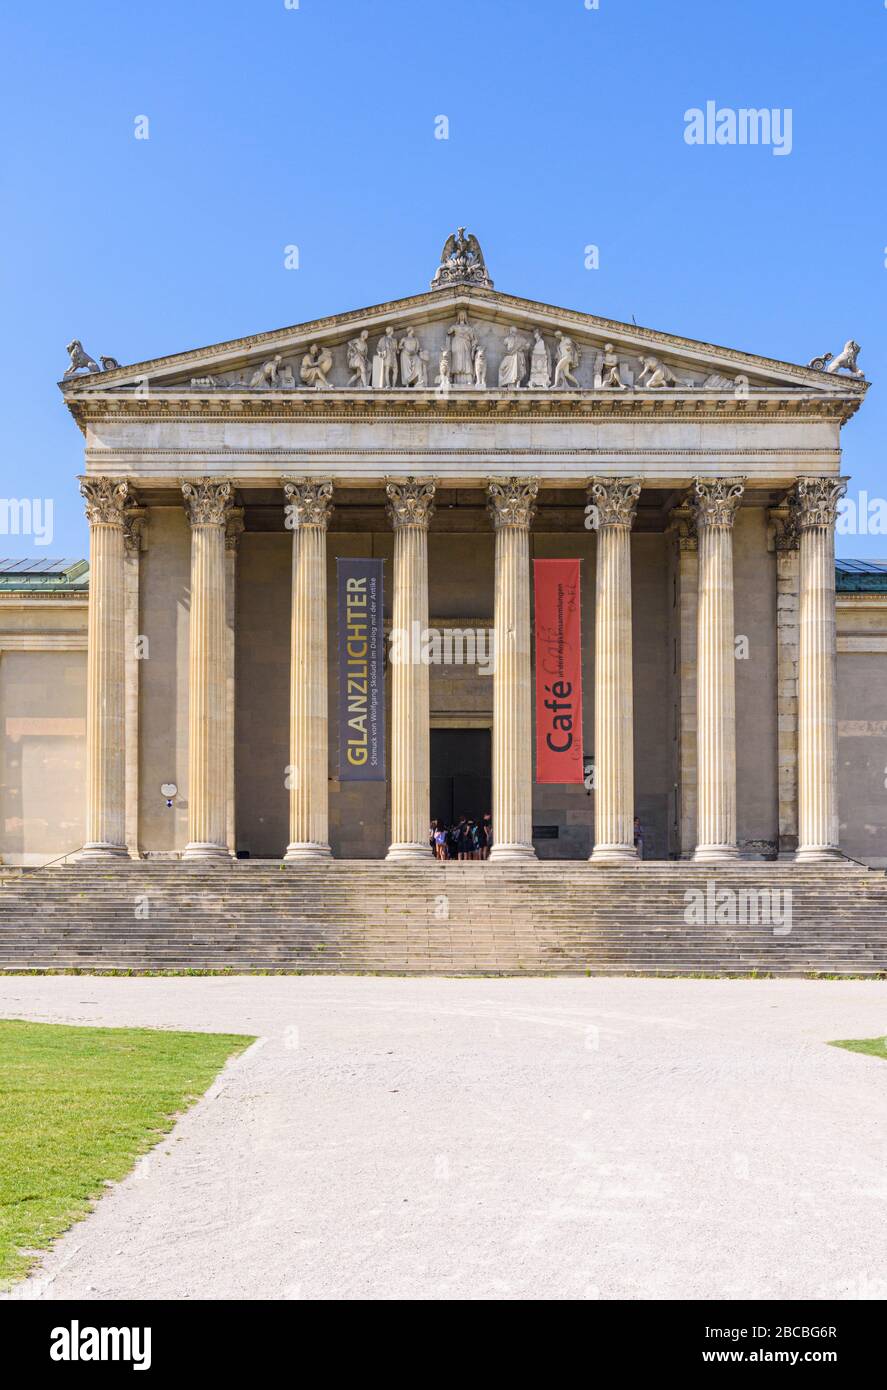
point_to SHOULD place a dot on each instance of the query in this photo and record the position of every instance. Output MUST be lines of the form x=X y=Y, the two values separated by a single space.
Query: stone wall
x=862 y=726
x=43 y=727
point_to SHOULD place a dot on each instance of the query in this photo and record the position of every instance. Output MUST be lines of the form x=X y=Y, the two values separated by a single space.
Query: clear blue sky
x=315 y=126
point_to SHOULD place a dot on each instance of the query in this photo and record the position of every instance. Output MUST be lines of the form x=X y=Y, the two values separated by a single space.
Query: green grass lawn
x=872 y=1047
x=77 y=1108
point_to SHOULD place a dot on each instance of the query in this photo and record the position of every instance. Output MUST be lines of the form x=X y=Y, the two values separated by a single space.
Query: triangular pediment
x=490 y=339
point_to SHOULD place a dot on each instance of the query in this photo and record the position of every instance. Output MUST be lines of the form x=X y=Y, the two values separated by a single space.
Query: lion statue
x=80 y=359
x=846 y=358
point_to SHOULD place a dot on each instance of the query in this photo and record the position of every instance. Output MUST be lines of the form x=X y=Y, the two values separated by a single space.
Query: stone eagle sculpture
x=461 y=262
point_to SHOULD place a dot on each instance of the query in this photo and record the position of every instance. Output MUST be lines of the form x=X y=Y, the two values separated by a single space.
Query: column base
x=301 y=850
x=409 y=853
x=101 y=849
x=503 y=854
x=202 y=850
x=614 y=854
x=818 y=854
x=715 y=854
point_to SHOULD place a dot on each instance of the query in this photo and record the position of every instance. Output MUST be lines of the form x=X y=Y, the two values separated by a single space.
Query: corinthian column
x=814 y=508
x=135 y=520
x=207 y=504
x=106 y=500
x=308 y=507
x=715 y=505
x=512 y=503
x=616 y=500
x=410 y=508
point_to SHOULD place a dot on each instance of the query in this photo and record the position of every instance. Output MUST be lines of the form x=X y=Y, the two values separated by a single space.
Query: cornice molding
x=412 y=405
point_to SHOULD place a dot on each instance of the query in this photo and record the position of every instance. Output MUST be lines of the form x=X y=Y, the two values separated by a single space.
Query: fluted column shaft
x=308 y=511
x=512 y=504
x=134 y=527
x=616 y=502
x=814 y=507
x=715 y=505
x=410 y=507
x=233 y=531
x=207 y=504
x=105 y=683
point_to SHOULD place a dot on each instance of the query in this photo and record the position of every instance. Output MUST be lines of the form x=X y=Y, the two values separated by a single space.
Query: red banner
x=558 y=671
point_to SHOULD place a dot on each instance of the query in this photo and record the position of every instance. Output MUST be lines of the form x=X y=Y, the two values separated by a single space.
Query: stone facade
x=457 y=435
x=43 y=708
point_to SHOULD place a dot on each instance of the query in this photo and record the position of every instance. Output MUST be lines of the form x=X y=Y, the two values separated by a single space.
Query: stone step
x=358 y=915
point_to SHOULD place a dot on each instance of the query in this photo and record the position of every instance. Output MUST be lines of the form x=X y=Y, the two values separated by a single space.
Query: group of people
x=466 y=839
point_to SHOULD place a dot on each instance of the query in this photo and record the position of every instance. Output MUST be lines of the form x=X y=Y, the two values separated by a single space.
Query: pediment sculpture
x=540 y=363
x=567 y=359
x=385 y=361
x=463 y=346
x=315 y=366
x=655 y=373
x=513 y=367
x=357 y=356
x=612 y=372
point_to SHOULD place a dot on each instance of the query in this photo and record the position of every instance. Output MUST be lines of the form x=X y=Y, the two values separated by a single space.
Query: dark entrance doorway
x=461 y=775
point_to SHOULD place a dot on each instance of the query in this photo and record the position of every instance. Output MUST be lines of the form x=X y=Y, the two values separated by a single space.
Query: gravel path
x=439 y=1138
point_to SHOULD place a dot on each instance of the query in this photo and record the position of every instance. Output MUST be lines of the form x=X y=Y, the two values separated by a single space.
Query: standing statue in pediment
x=540 y=362
x=463 y=346
x=513 y=367
x=410 y=359
x=357 y=355
x=567 y=361
x=385 y=361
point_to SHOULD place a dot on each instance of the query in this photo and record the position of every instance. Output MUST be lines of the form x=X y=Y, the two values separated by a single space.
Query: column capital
x=783 y=531
x=207 y=502
x=682 y=523
x=715 y=501
x=309 y=502
x=814 y=501
x=616 y=500
x=135 y=519
x=512 y=502
x=410 y=502
x=234 y=526
x=106 y=500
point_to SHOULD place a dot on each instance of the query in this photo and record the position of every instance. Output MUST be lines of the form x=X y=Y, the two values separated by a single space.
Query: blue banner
x=361 y=638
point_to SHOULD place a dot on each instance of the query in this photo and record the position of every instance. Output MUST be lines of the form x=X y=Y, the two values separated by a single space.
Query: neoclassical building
x=456 y=436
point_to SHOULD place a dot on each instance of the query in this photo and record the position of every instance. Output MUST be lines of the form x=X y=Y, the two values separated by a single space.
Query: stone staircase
x=354 y=916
